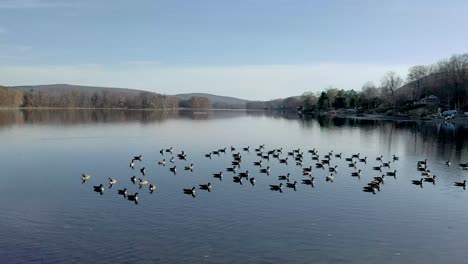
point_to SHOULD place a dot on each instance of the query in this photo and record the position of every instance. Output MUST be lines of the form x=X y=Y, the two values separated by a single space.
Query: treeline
x=109 y=98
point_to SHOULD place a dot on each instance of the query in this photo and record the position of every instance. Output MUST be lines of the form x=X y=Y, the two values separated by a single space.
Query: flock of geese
x=324 y=162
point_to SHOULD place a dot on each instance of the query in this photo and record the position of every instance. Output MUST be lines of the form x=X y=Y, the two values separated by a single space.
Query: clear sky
x=255 y=49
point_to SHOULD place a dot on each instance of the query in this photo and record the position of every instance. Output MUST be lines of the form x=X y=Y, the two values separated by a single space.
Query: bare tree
x=390 y=83
x=415 y=77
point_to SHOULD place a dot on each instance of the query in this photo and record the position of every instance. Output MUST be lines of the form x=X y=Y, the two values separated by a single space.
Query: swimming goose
x=390 y=173
x=133 y=179
x=395 y=157
x=235 y=155
x=316 y=157
x=291 y=185
x=368 y=189
x=284 y=160
x=244 y=174
x=327 y=157
x=233 y=149
x=276 y=155
x=85 y=177
x=333 y=169
x=132 y=165
x=276 y=187
x=308 y=181
x=161 y=151
x=223 y=150
x=205 y=186
x=349 y=159
x=215 y=152
x=247 y=148
x=356 y=155
x=422 y=162
x=142 y=170
x=375 y=185
x=267 y=170
x=352 y=164
x=284 y=177
x=237 y=179
x=266 y=157
x=329 y=177
x=379 y=168
x=426 y=173
x=462 y=184
x=99 y=189
x=308 y=168
x=233 y=169
x=465 y=168
x=386 y=164
x=325 y=161
x=363 y=160
x=252 y=181
x=379 y=158
x=236 y=163
x=208 y=155
x=190 y=168
x=464 y=164
x=171 y=160
x=280 y=150
x=311 y=151
x=448 y=163
x=112 y=182
x=173 y=169
x=380 y=179
x=218 y=175
x=133 y=197
x=338 y=155
x=290 y=153
x=137 y=158
x=142 y=182
x=356 y=174
x=122 y=192
x=152 y=187
x=169 y=150
x=162 y=162
x=307 y=173
x=299 y=163
x=418 y=182
x=319 y=165
x=431 y=179
x=258 y=163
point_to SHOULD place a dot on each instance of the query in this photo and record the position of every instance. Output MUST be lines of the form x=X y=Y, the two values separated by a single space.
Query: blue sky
x=251 y=49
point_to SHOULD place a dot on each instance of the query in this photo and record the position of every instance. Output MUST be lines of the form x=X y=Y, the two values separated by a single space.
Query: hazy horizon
x=248 y=49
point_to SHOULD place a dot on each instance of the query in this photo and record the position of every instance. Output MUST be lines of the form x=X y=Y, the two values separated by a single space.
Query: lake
x=50 y=216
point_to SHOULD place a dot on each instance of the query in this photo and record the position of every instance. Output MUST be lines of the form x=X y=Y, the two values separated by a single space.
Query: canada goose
x=422 y=162
x=379 y=168
x=137 y=157
x=349 y=159
x=299 y=163
x=237 y=179
x=132 y=165
x=426 y=173
x=85 y=177
x=379 y=158
x=246 y=149
x=236 y=163
x=173 y=169
x=329 y=177
x=169 y=150
x=171 y=160
x=368 y=189
x=133 y=179
x=317 y=157
x=386 y=164
x=464 y=164
x=218 y=175
x=161 y=151
x=380 y=179
x=259 y=154
x=325 y=161
x=319 y=165
x=462 y=184
x=308 y=181
x=272 y=152
x=374 y=185
x=276 y=155
x=133 y=197
x=142 y=182
x=252 y=181
x=431 y=179
x=244 y=174
x=223 y=150
x=112 y=182
x=190 y=168
x=122 y=192
x=333 y=169
x=99 y=189
x=142 y=170
x=418 y=182
x=233 y=149
x=162 y=162
x=356 y=155
x=284 y=177
x=233 y=169
x=363 y=160
x=358 y=173
x=266 y=157
x=291 y=185
x=307 y=169
x=276 y=187
x=258 y=163
x=395 y=157
x=235 y=155
x=307 y=173
x=465 y=168
x=216 y=152
x=280 y=150
x=205 y=186
x=327 y=157
x=338 y=155
x=290 y=153
x=266 y=170
x=284 y=160
x=152 y=187
x=208 y=155
x=352 y=164
x=390 y=173
x=448 y=163
x=421 y=167
x=258 y=149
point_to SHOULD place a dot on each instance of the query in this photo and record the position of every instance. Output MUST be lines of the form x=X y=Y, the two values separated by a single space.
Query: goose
x=368 y=189
x=161 y=151
x=291 y=185
x=380 y=179
x=223 y=150
x=462 y=184
x=311 y=151
x=299 y=163
x=338 y=155
x=85 y=177
x=262 y=146
x=132 y=165
x=236 y=163
x=465 y=168
x=173 y=169
x=233 y=149
x=327 y=157
x=307 y=173
x=352 y=164
x=319 y=165
x=206 y=186
x=99 y=188
x=395 y=157
x=266 y=157
x=418 y=182
x=284 y=177
x=133 y=197
x=259 y=154
x=464 y=164
x=169 y=150
x=258 y=163
x=215 y=152
x=237 y=179
x=390 y=173
x=142 y=170
x=290 y=153
x=276 y=155
x=272 y=152
x=358 y=173
x=326 y=161
x=133 y=179
x=297 y=150
x=112 y=182
x=363 y=160
x=190 y=168
x=308 y=181
x=356 y=155
x=152 y=187
x=244 y=174
x=448 y=163
x=142 y=182
x=421 y=167
x=329 y=177
x=307 y=168
x=277 y=187
x=137 y=158
x=162 y=162
x=258 y=149
x=349 y=159
x=431 y=179
x=426 y=173
x=267 y=170
x=252 y=181
x=333 y=169
x=284 y=160
x=280 y=150
x=386 y=164
x=379 y=158
x=374 y=185
x=235 y=155
x=208 y=155
x=233 y=169
x=247 y=148
x=297 y=159
x=238 y=158
x=379 y=168
x=422 y=162
x=218 y=175
x=171 y=160
x=317 y=157
x=123 y=192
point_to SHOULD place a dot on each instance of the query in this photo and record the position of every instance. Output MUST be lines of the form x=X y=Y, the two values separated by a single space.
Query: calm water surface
x=49 y=216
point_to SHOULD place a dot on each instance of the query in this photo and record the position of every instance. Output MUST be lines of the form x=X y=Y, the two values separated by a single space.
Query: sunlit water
x=49 y=216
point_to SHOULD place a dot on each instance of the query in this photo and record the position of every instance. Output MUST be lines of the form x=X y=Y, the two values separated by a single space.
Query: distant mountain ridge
x=214 y=98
